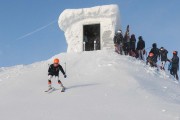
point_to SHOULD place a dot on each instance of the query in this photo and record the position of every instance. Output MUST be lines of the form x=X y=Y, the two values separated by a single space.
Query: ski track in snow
x=100 y=85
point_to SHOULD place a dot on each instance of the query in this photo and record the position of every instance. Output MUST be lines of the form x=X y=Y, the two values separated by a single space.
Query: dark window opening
x=91 y=33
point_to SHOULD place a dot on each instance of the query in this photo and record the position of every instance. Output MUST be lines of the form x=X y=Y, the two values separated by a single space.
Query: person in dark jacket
x=140 y=48
x=53 y=71
x=155 y=51
x=151 y=61
x=163 y=55
x=133 y=43
x=118 y=42
x=132 y=51
x=175 y=65
x=126 y=41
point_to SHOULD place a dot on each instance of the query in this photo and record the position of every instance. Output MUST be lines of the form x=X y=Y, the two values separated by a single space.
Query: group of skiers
x=161 y=54
x=127 y=45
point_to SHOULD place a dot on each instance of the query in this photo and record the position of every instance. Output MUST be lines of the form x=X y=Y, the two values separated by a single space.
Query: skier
x=118 y=41
x=175 y=65
x=53 y=71
x=163 y=55
x=151 y=61
x=155 y=51
x=126 y=42
x=133 y=42
x=133 y=46
x=141 y=48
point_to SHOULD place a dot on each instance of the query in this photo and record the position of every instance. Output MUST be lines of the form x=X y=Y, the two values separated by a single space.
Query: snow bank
x=71 y=21
x=101 y=85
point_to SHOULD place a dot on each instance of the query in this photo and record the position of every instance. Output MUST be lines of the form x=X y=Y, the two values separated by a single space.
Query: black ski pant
x=174 y=72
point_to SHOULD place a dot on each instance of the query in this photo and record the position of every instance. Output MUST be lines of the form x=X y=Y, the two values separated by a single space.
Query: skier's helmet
x=140 y=38
x=175 y=53
x=162 y=48
x=119 y=31
x=154 y=45
x=151 y=54
x=56 y=61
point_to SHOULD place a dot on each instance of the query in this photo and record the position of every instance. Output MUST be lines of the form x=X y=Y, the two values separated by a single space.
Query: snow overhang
x=71 y=16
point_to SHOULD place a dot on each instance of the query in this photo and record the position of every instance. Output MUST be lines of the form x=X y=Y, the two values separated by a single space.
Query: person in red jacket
x=151 y=61
x=53 y=71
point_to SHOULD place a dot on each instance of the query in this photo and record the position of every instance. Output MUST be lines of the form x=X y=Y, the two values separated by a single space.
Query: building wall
x=74 y=34
x=71 y=21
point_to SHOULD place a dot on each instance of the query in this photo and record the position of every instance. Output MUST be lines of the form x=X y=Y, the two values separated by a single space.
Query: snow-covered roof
x=70 y=16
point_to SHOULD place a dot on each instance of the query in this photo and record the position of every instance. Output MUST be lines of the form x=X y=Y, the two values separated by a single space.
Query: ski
x=49 y=90
x=63 y=89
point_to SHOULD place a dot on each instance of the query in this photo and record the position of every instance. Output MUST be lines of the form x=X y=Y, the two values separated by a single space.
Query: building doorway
x=91 y=37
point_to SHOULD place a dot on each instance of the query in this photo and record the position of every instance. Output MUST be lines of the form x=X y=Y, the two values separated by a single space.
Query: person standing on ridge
x=175 y=65
x=140 y=48
x=150 y=60
x=126 y=42
x=163 y=55
x=133 y=46
x=53 y=71
x=118 y=42
x=155 y=51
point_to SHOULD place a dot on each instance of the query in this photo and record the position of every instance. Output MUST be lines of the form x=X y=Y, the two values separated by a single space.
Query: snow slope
x=101 y=86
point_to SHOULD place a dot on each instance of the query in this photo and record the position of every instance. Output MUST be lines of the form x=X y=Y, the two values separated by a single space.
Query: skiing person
x=53 y=71
x=175 y=65
x=133 y=45
x=118 y=39
x=151 y=61
x=155 y=51
x=140 y=48
x=163 y=55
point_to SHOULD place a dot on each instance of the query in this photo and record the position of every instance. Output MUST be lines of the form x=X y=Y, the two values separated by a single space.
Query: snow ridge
x=100 y=85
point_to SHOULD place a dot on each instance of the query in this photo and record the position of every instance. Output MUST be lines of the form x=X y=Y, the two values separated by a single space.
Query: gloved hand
x=65 y=76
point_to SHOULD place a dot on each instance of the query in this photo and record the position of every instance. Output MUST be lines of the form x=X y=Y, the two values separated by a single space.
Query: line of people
x=126 y=45
x=161 y=54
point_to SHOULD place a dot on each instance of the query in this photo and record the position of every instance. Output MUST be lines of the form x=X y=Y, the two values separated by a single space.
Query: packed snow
x=101 y=85
x=71 y=21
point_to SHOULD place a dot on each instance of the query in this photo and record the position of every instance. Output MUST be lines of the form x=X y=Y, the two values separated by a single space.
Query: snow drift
x=101 y=85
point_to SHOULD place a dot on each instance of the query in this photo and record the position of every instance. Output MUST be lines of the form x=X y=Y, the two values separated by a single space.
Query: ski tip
x=63 y=90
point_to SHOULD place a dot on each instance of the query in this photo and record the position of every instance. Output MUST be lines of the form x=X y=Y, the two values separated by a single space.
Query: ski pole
x=65 y=67
x=146 y=54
